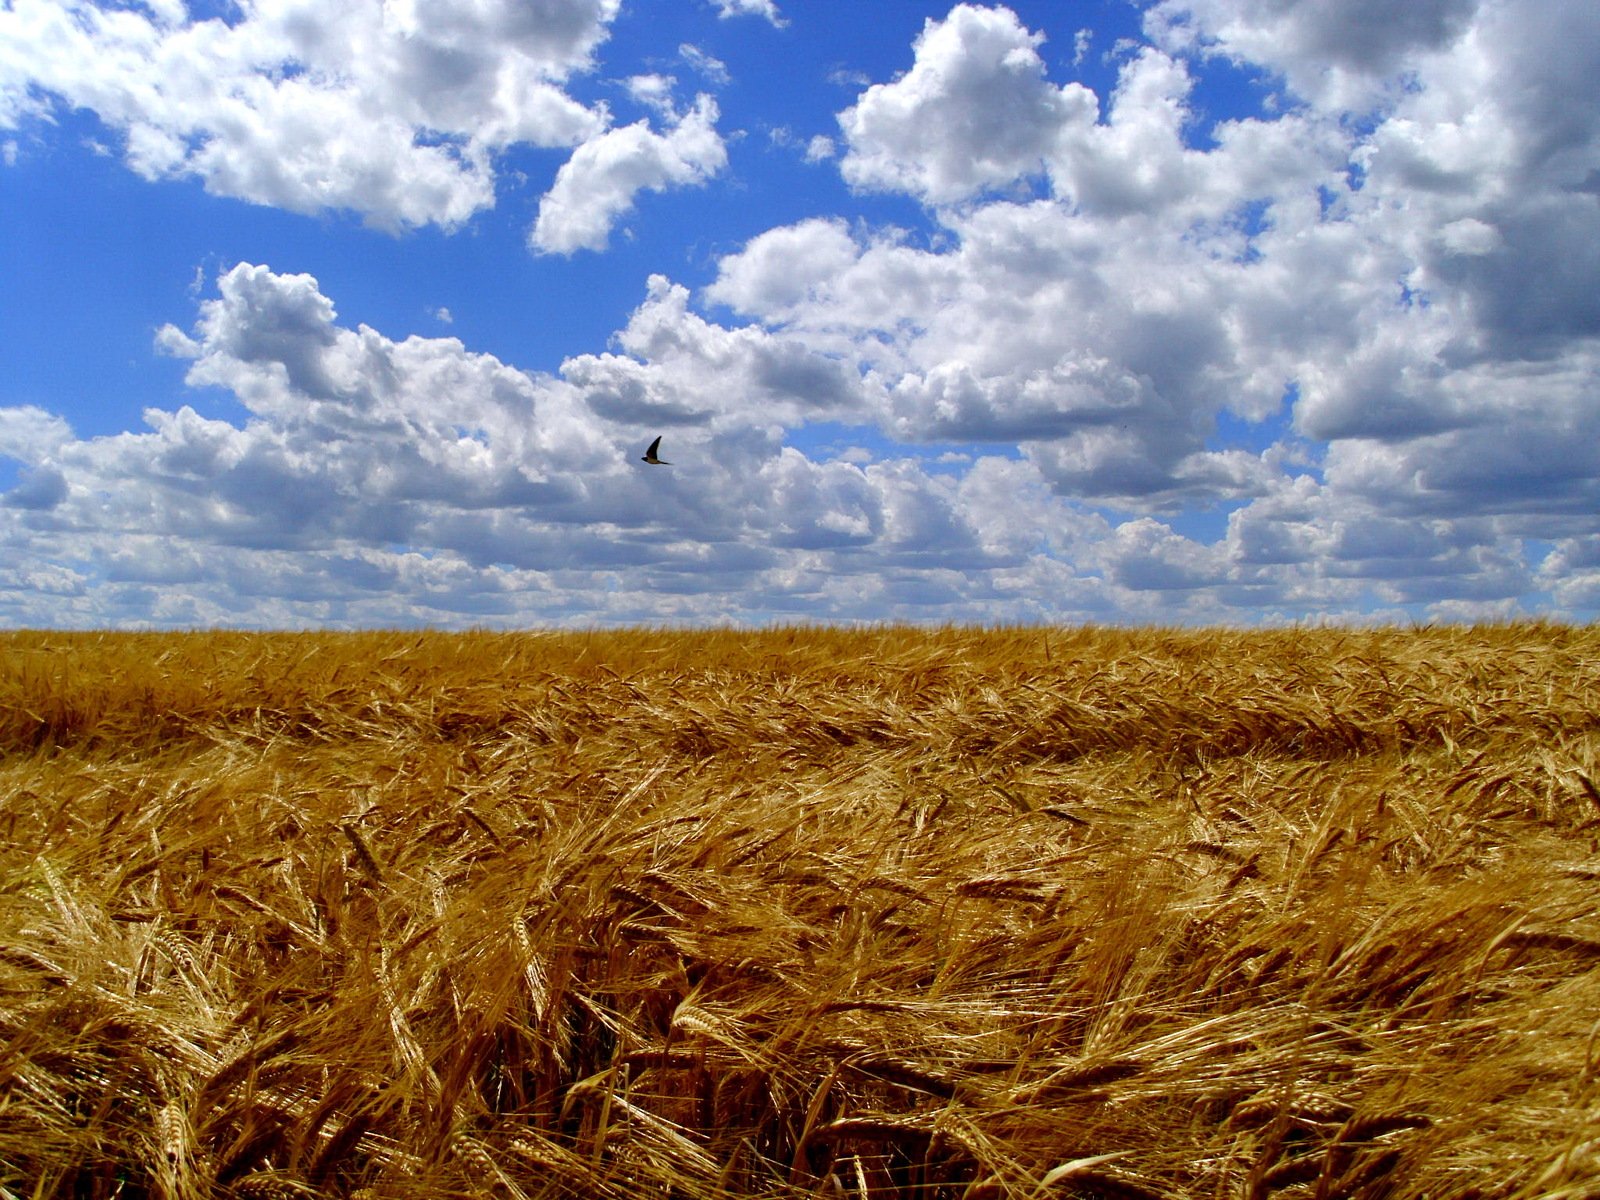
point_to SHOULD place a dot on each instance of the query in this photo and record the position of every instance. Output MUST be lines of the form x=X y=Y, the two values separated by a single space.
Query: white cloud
x=1147 y=556
x=767 y=9
x=32 y=435
x=973 y=113
x=1336 y=52
x=713 y=69
x=383 y=481
x=1381 y=277
x=1470 y=237
x=652 y=91
x=1136 y=161
x=1338 y=357
x=39 y=488
x=783 y=267
x=678 y=368
x=1026 y=332
x=391 y=111
x=597 y=185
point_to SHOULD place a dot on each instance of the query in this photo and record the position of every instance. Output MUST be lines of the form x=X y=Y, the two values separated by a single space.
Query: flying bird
x=650 y=455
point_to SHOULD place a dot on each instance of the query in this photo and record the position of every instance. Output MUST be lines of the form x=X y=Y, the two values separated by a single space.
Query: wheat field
x=1007 y=913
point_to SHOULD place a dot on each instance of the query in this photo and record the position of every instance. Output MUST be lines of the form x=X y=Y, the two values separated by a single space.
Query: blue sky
x=1178 y=311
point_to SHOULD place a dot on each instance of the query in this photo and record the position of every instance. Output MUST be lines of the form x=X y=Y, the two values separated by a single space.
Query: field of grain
x=808 y=912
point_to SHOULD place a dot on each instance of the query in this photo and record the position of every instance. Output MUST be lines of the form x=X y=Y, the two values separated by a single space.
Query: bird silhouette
x=650 y=455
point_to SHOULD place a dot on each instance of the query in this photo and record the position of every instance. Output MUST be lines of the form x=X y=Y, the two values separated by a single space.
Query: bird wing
x=654 y=446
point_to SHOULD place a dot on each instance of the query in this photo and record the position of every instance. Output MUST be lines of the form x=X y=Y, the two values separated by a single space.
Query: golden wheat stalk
x=888 y=912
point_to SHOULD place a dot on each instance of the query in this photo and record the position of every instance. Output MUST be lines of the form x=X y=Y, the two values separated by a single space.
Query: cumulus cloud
x=1334 y=51
x=653 y=91
x=32 y=435
x=1146 y=555
x=677 y=368
x=382 y=481
x=391 y=111
x=820 y=148
x=1025 y=333
x=1338 y=356
x=1108 y=291
x=597 y=185
x=40 y=488
x=780 y=269
x=974 y=112
x=767 y=9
